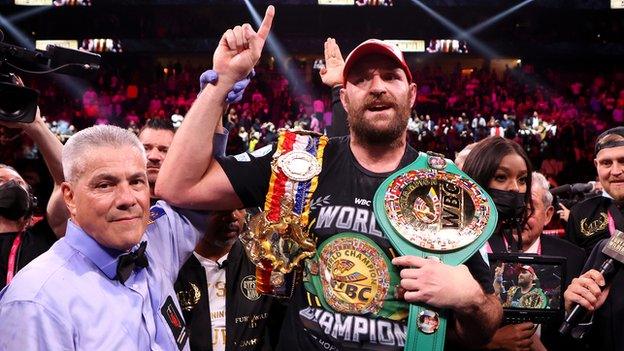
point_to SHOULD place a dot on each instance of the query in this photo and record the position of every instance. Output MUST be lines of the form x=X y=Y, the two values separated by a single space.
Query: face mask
x=14 y=201
x=509 y=204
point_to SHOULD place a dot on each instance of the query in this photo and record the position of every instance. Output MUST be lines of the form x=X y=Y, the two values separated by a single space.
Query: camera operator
x=20 y=240
x=569 y=195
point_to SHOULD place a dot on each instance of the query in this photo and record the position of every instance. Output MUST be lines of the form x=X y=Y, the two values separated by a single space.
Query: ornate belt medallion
x=278 y=240
x=432 y=209
x=436 y=210
x=351 y=274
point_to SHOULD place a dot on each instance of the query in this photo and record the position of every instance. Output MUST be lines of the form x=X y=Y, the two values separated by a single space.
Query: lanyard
x=13 y=258
x=611 y=224
x=488 y=248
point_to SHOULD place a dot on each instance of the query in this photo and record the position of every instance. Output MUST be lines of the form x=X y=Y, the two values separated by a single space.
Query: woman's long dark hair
x=484 y=159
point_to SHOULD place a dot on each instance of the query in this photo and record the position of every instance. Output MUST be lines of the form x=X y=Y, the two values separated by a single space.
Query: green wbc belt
x=432 y=209
x=351 y=274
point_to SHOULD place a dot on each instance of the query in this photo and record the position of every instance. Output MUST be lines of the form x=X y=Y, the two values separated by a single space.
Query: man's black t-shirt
x=318 y=317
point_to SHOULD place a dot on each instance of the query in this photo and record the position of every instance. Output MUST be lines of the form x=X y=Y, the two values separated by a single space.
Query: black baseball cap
x=613 y=137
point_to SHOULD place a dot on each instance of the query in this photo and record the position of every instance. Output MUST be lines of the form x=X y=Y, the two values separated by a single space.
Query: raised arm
x=331 y=75
x=51 y=150
x=190 y=177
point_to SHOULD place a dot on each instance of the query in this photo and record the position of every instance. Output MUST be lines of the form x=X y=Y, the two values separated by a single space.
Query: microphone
x=563 y=189
x=573 y=188
x=222 y=265
x=614 y=250
x=582 y=187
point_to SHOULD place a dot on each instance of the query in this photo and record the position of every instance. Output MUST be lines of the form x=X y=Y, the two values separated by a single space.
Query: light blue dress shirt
x=68 y=299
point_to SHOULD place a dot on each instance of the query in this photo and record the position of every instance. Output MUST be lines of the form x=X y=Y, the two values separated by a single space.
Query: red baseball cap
x=528 y=268
x=375 y=46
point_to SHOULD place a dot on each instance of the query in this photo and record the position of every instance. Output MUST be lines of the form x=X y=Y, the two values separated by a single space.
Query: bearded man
x=378 y=94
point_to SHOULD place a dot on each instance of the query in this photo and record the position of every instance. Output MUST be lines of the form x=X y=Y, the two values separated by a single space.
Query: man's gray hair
x=539 y=180
x=90 y=138
x=2 y=165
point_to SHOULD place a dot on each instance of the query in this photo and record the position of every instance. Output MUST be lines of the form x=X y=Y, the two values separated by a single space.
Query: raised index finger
x=265 y=26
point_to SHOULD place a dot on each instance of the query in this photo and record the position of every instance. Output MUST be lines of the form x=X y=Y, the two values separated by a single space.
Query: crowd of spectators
x=554 y=114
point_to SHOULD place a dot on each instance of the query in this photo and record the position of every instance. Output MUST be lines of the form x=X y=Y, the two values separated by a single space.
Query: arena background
x=553 y=67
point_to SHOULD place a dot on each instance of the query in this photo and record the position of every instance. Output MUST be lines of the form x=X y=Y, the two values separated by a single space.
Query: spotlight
x=280 y=54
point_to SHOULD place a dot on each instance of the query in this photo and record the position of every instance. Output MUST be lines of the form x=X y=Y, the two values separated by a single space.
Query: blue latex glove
x=236 y=94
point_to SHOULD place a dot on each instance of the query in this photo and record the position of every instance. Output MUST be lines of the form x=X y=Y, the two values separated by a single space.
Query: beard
x=617 y=193
x=524 y=283
x=370 y=134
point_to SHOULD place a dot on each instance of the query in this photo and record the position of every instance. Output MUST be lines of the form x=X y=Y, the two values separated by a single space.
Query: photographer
x=20 y=240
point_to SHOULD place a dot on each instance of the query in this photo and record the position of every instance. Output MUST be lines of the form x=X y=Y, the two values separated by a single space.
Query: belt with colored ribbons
x=278 y=240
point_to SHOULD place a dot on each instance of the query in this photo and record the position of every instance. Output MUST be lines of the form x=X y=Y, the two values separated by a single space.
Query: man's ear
x=344 y=99
x=549 y=214
x=413 y=93
x=69 y=198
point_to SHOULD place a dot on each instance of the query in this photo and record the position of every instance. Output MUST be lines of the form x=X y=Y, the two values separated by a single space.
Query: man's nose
x=616 y=169
x=125 y=197
x=154 y=155
x=378 y=86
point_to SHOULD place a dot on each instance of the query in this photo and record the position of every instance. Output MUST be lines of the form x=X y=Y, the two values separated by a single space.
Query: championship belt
x=351 y=274
x=278 y=240
x=534 y=299
x=432 y=209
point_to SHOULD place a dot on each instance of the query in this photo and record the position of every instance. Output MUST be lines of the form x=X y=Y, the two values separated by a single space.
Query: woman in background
x=503 y=168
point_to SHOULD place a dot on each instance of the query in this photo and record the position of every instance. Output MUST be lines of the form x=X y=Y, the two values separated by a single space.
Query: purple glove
x=236 y=94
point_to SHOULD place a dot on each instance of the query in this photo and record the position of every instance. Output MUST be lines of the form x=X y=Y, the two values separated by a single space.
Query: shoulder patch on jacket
x=155 y=213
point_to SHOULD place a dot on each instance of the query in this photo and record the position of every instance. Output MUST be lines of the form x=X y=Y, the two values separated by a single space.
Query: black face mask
x=509 y=204
x=14 y=201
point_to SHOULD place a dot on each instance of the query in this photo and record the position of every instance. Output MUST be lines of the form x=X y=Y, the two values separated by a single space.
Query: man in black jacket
x=216 y=288
x=596 y=218
x=604 y=303
x=156 y=136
